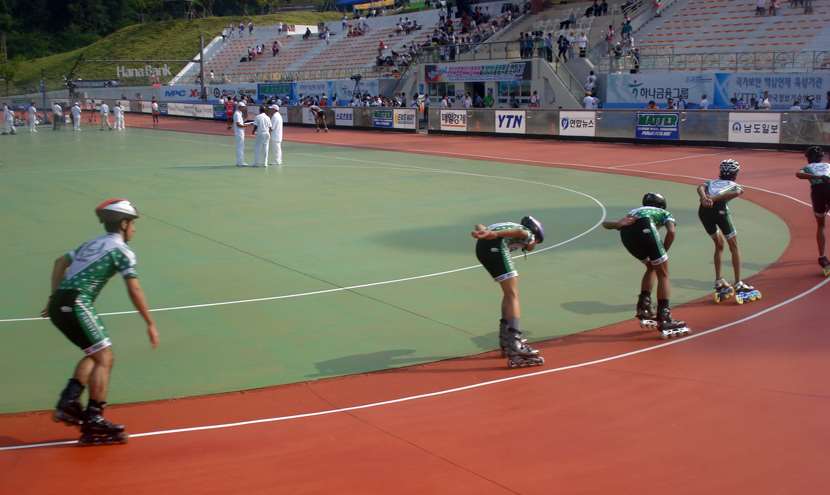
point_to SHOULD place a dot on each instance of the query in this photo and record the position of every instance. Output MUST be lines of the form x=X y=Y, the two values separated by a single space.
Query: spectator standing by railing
x=760 y=7
x=658 y=8
x=590 y=83
x=704 y=103
x=582 y=43
x=773 y=6
x=549 y=47
x=76 y=116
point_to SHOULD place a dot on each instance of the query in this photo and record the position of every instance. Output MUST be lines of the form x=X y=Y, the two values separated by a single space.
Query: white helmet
x=116 y=209
x=729 y=169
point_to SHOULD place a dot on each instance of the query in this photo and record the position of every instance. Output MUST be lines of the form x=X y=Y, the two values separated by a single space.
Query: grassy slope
x=177 y=39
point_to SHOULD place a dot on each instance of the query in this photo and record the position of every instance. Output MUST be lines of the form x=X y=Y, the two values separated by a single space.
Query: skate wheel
x=759 y=296
x=739 y=299
x=716 y=298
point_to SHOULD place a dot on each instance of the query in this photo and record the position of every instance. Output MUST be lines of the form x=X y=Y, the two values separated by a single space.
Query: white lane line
x=384 y=282
x=667 y=160
x=447 y=391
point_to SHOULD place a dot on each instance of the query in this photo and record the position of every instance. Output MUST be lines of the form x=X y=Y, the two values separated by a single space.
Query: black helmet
x=654 y=199
x=534 y=226
x=814 y=154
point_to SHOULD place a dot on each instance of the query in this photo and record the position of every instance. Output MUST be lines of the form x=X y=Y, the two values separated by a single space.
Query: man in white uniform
x=239 y=134
x=32 y=118
x=8 y=119
x=76 y=116
x=263 y=137
x=118 y=113
x=105 y=116
x=57 y=116
x=276 y=136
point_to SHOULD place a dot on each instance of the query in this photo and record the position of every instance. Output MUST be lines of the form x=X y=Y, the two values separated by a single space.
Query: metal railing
x=733 y=62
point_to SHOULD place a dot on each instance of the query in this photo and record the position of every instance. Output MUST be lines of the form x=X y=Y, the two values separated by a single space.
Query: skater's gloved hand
x=706 y=202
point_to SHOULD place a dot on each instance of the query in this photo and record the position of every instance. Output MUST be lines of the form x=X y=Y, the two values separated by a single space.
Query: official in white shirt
x=105 y=116
x=276 y=136
x=589 y=102
x=263 y=138
x=239 y=134
x=32 y=118
x=704 y=103
x=118 y=113
x=76 y=116
x=8 y=119
x=57 y=116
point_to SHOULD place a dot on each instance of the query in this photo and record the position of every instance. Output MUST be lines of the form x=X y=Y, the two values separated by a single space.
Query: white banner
x=511 y=121
x=754 y=127
x=454 y=120
x=203 y=111
x=784 y=89
x=180 y=109
x=636 y=90
x=308 y=117
x=146 y=107
x=343 y=117
x=404 y=118
x=577 y=123
x=125 y=104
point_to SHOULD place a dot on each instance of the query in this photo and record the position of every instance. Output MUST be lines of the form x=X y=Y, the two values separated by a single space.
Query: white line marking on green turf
x=384 y=282
x=445 y=391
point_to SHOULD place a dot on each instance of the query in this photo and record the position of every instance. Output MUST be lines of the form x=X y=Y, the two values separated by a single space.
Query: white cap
x=275 y=107
x=241 y=104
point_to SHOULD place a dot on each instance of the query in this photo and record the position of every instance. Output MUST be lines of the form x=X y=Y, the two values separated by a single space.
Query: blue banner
x=383 y=118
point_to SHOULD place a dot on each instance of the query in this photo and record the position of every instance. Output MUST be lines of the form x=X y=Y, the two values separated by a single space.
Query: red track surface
x=742 y=410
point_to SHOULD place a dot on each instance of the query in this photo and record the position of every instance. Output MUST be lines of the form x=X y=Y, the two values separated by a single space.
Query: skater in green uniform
x=639 y=234
x=817 y=172
x=493 y=247
x=716 y=219
x=77 y=279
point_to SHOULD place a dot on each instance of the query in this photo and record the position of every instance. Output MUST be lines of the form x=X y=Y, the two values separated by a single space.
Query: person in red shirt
x=229 y=110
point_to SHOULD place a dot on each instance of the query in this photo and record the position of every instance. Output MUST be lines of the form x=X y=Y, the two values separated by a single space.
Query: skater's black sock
x=72 y=391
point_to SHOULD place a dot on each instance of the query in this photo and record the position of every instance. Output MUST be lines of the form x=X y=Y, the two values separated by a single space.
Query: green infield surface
x=341 y=261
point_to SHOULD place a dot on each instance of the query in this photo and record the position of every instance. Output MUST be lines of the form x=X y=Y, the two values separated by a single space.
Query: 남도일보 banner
x=513 y=71
x=658 y=125
x=745 y=127
x=577 y=123
x=511 y=121
x=454 y=120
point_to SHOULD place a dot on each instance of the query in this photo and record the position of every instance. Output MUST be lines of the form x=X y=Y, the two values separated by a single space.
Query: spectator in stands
x=468 y=101
x=604 y=7
x=827 y=106
x=618 y=52
x=549 y=47
x=774 y=5
x=590 y=83
x=212 y=76
x=251 y=28
x=609 y=37
x=635 y=57
x=307 y=34
x=652 y=105
x=582 y=43
x=760 y=7
x=566 y=24
x=626 y=29
x=445 y=102
x=765 y=104
x=224 y=34
x=704 y=103
x=658 y=8
x=682 y=104
x=589 y=102
x=241 y=28
x=563 y=48
x=670 y=105
x=596 y=9
x=488 y=99
x=796 y=105
x=534 y=100
x=344 y=23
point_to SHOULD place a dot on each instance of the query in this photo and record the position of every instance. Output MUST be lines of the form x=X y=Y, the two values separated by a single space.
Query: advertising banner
x=383 y=118
x=308 y=117
x=636 y=90
x=125 y=104
x=311 y=88
x=577 y=123
x=344 y=117
x=405 y=118
x=454 y=120
x=783 y=88
x=513 y=71
x=268 y=90
x=203 y=111
x=511 y=121
x=754 y=127
x=180 y=109
x=146 y=107
x=219 y=112
x=658 y=125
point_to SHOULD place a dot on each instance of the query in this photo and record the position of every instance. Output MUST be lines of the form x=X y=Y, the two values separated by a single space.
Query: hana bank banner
x=636 y=90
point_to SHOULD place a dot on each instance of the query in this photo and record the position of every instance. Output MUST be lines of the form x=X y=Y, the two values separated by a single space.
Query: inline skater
x=817 y=172
x=493 y=247
x=639 y=234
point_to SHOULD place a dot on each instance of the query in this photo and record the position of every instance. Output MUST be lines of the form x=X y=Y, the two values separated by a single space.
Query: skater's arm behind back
x=622 y=222
x=670 y=232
